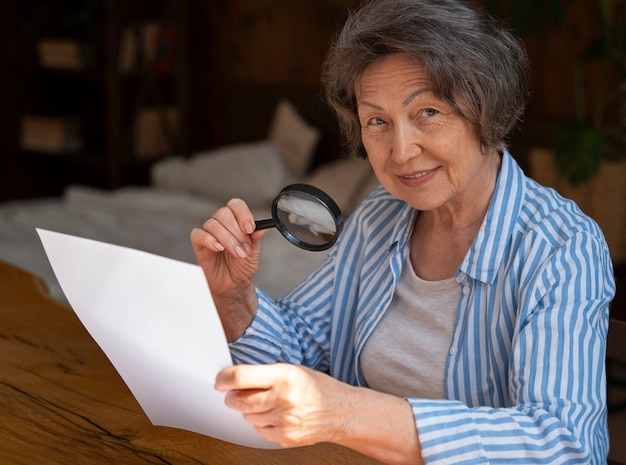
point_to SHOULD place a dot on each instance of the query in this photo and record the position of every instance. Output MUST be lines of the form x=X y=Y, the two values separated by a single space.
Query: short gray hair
x=472 y=62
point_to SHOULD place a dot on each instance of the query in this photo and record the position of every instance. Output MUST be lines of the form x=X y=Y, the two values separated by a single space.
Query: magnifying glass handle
x=264 y=224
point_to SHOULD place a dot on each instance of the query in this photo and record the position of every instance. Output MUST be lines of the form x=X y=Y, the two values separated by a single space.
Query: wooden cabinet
x=103 y=89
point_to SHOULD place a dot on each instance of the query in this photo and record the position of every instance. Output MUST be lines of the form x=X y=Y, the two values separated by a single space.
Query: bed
x=184 y=191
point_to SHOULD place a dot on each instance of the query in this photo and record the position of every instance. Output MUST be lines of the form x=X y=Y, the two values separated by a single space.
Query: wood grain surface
x=62 y=402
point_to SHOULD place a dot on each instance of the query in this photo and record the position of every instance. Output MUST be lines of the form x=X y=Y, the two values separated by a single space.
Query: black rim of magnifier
x=321 y=197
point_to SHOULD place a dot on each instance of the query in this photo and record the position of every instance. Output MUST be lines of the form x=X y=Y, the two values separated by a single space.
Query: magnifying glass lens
x=306 y=216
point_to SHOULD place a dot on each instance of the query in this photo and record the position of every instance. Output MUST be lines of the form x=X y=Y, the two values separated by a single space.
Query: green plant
x=589 y=137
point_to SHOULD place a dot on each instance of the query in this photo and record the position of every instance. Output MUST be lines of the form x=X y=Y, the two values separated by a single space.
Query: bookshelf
x=108 y=90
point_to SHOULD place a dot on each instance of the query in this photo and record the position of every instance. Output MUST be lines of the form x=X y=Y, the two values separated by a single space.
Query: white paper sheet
x=155 y=319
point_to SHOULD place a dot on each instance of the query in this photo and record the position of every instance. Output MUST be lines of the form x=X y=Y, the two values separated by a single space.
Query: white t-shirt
x=406 y=353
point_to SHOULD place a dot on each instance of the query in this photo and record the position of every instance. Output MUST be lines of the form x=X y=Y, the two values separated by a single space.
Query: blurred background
x=125 y=83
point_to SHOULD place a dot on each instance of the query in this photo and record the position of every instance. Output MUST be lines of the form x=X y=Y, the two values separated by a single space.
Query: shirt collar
x=488 y=249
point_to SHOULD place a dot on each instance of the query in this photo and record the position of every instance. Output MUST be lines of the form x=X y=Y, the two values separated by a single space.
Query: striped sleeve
x=295 y=329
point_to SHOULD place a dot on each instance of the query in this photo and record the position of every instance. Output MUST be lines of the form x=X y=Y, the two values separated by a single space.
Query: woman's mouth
x=417 y=175
x=417 y=179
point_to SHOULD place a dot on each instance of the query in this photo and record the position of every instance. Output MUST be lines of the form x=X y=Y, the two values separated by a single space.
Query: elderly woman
x=462 y=315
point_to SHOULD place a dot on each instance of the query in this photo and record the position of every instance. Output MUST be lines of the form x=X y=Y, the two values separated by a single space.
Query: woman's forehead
x=397 y=72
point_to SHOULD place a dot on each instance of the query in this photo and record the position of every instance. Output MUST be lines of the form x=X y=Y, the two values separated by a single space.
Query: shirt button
x=453 y=351
x=466 y=290
x=462 y=277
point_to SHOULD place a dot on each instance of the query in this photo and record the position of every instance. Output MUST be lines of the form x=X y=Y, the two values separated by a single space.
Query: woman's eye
x=428 y=112
x=376 y=121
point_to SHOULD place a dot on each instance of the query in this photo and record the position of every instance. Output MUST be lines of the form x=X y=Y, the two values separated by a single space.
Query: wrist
x=379 y=425
x=236 y=309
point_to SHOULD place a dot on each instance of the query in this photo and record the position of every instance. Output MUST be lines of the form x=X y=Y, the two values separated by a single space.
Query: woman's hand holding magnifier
x=228 y=244
x=227 y=248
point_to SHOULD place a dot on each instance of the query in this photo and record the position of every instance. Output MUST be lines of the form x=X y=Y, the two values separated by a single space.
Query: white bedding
x=183 y=194
x=142 y=218
x=159 y=219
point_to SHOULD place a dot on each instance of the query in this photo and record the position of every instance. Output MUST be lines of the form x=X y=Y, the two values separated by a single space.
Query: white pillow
x=254 y=172
x=343 y=181
x=294 y=137
x=171 y=173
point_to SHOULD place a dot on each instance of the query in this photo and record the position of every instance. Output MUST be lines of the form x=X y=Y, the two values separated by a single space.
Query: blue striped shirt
x=525 y=373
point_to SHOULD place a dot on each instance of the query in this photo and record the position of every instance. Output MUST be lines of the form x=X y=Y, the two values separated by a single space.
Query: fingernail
x=219 y=247
x=239 y=250
x=248 y=227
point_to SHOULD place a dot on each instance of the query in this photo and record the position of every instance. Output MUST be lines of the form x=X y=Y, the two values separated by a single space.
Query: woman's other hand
x=296 y=406
x=290 y=405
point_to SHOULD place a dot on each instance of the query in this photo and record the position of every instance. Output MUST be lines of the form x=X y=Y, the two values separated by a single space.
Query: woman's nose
x=406 y=143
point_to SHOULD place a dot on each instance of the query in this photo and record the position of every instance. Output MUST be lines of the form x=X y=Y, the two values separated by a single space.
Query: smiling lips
x=417 y=179
x=418 y=175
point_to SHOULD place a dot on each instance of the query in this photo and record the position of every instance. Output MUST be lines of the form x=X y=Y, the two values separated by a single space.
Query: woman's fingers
x=202 y=240
x=231 y=229
x=242 y=214
x=288 y=404
x=227 y=229
x=242 y=377
x=218 y=235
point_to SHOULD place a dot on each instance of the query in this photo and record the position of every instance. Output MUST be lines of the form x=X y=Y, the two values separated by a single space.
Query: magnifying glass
x=306 y=216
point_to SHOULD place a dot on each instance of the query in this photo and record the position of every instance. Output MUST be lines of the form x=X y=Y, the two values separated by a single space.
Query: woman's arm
x=289 y=330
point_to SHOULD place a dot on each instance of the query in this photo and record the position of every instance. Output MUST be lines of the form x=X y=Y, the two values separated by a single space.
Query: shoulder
x=561 y=245
x=553 y=216
x=530 y=207
x=528 y=226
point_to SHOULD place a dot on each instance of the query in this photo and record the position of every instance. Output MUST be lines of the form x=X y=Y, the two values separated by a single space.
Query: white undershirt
x=406 y=353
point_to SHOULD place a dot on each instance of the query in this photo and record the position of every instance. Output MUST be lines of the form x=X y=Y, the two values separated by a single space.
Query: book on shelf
x=156 y=130
x=51 y=144
x=165 y=50
x=148 y=46
x=50 y=124
x=64 y=53
x=50 y=134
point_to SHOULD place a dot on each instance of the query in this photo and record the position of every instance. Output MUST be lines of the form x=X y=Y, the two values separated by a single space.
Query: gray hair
x=472 y=62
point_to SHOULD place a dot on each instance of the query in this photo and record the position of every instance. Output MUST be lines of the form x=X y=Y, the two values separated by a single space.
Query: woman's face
x=420 y=149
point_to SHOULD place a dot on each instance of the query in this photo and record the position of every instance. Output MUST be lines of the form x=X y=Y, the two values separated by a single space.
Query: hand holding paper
x=155 y=320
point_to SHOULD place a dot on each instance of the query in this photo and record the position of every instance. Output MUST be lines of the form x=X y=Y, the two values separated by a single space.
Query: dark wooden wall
x=267 y=46
x=276 y=41
x=280 y=43
x=284 y=43
x=553 y=56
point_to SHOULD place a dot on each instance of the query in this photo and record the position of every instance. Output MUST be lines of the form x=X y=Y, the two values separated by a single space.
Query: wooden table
x=62 y=402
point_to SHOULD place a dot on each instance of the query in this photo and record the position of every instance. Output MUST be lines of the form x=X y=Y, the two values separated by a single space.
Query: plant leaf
x=579 y=150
